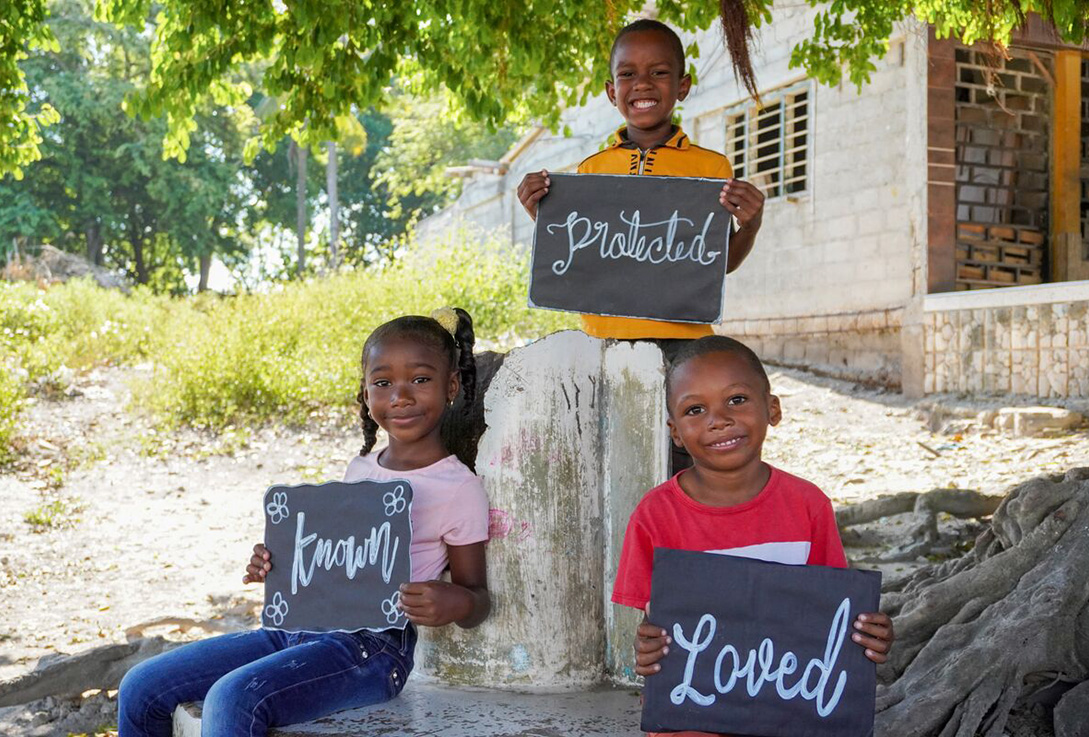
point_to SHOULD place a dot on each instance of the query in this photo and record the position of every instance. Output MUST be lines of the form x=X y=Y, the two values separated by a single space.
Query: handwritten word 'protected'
x=653 y=242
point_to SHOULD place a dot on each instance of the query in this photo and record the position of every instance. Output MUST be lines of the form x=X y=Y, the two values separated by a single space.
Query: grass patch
x=11 y=402
x=285 y=356
x=53 y=514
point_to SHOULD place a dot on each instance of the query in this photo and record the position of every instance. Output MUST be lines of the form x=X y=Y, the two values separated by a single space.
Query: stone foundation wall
x=1022 y=341
x=859 y=346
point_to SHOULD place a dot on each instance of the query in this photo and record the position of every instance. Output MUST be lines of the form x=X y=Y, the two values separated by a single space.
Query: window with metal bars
x=769 y=145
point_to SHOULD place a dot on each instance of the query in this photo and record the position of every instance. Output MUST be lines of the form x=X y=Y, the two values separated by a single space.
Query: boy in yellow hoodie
x=648 y=80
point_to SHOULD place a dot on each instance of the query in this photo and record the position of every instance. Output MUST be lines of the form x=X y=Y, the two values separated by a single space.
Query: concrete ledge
x=1033 y=294
x=438 y=711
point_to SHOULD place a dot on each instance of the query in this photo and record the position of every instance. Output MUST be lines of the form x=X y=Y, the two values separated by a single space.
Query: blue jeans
x=255 y=680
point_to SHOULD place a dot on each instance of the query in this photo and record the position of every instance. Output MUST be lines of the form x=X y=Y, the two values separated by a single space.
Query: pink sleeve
x=632 y=586
x=826 y=548
x=467 y=515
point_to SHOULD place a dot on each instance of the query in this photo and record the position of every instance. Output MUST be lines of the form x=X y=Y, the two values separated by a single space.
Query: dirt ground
x=107 y=525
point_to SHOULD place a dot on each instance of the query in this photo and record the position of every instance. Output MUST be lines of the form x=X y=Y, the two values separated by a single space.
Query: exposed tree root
x=972 y=633
x=922 y=536
x=68 y=677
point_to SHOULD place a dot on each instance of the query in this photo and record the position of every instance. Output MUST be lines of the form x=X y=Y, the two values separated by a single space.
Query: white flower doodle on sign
x=277 y=508
x=277 y=609
x=394 y=501
x=389 y=608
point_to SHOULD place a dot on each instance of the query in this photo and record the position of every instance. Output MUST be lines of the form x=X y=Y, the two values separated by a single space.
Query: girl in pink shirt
x=413 y=369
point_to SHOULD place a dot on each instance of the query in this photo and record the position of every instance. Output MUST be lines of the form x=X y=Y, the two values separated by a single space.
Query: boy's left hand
x=874 y=632
x=435 y=603
x=744 y=201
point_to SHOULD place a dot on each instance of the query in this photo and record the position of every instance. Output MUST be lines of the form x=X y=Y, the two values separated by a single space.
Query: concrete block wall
x=1030 y=341
x=861 y=346
x=850 y=246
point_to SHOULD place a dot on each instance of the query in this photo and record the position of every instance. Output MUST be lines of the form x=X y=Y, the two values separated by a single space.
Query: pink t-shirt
x=449 y=507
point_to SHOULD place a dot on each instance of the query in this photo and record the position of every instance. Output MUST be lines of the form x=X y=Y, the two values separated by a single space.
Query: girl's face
x=408 y=386
x=719 y=410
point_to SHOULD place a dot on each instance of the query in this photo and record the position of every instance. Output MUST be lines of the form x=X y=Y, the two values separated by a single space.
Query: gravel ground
x=135 y=525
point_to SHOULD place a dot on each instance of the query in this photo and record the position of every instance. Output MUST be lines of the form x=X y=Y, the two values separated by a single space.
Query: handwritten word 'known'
x=758 y=667
x=634 y=243
x=329 y=553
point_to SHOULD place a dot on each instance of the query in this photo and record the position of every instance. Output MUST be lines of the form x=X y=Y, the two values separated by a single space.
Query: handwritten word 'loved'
x=329 y=553
x=758 y=669
x=633 y=243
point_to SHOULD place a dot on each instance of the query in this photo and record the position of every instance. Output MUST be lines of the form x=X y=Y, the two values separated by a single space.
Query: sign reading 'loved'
x=631 y=246
x=339 y=553
x=760 y=648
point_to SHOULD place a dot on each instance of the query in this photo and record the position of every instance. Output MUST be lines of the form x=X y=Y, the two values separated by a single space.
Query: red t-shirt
x=789 y=521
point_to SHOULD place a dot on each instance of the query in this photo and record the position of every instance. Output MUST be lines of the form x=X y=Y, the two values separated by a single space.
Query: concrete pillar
x=635 y=460
x=576 y=435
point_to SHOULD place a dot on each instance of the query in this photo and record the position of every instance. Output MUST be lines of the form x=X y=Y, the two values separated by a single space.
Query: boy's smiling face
x=719 y=410
x=647 y=83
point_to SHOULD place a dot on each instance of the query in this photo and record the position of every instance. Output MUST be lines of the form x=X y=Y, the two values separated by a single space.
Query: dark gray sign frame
x=760 y=648
x=348 y=549
x=631 y=246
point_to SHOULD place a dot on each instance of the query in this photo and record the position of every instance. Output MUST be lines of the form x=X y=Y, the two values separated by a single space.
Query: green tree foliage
x=849 y=35
x=325 y=56
x=102 y=184
x=494 y=57
x=426 y=139
x=391 y=172
x=22 y=28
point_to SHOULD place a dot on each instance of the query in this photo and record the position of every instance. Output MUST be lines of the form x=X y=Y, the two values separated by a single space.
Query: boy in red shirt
x=730 y=502
x=648 y=80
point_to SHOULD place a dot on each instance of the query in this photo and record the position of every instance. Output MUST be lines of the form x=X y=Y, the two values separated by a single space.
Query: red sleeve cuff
x=632 y=601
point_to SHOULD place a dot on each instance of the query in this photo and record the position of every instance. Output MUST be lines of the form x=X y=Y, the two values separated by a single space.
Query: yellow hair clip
x=446 y=317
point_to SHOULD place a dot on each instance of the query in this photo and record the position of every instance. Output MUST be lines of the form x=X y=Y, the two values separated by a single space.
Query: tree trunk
x=94 y=244
x=334 y=206
x=141 y=262
x=983 y=639
x=299 y=155
x=205 y=267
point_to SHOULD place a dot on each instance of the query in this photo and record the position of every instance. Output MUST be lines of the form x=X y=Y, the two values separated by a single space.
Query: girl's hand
x=435 y=603
x=259 y=565
x=534 y=186
x=744 y=201
x=875 y=634
x=651 y=645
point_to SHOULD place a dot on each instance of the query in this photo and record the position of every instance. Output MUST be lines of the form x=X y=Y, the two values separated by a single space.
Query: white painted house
x=926 y=232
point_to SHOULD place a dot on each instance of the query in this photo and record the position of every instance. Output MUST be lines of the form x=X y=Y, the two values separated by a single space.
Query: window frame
x=747 y=113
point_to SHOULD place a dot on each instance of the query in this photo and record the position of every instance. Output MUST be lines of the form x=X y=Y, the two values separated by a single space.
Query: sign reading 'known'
x=339 y=553
x=760 y=648
x=650 y=247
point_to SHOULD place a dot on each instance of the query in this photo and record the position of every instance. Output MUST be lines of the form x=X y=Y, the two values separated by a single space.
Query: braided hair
x=457 y=347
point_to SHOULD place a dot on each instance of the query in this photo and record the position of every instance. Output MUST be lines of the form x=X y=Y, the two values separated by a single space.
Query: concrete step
x=443 y=711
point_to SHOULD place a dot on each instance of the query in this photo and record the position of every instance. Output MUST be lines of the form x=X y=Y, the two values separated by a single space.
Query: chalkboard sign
x=760 y=648
x=339 y=553
x=650 y=247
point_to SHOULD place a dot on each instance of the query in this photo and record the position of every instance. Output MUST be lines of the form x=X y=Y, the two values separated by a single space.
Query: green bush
x=284 y=355
x=11 y=399
x=279 y=356
x=76 y=325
